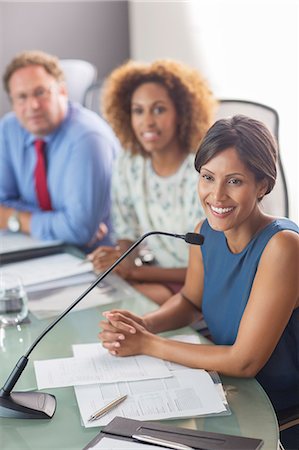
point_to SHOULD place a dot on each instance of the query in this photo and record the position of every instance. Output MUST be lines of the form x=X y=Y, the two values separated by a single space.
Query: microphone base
x=27 y=405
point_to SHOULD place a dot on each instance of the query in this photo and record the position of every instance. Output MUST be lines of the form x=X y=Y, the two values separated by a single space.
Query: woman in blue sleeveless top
x=244 y=278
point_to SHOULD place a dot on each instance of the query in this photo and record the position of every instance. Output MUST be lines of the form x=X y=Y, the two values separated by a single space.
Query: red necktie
x=40 y=176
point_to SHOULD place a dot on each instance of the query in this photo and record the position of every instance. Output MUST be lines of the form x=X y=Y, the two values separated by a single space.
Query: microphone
x=39 y=405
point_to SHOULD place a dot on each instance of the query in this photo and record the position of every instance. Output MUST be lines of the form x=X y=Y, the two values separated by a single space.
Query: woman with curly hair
x=160 y=112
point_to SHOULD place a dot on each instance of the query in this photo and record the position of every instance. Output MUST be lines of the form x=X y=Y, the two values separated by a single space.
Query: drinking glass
x=13 y=299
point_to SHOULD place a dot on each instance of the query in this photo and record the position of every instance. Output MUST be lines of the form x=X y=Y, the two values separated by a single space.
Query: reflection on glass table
x=252 y=414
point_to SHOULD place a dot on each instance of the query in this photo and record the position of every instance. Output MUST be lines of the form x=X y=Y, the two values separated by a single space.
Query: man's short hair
x=33 y=58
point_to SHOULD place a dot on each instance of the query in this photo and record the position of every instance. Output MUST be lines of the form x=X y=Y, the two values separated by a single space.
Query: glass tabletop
x=252 y=413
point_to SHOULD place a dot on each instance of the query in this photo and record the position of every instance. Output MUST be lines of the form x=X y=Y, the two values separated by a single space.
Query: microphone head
x=194 y=238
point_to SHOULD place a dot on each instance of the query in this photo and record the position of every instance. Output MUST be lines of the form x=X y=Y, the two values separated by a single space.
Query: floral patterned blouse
x=143 y=201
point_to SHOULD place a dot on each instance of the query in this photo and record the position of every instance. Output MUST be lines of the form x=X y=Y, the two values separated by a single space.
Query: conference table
x=252 y=414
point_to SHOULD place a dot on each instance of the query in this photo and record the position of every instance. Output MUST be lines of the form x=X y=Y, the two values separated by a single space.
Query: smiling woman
x=154 y=121
x=245 y=273
x=235 y=174
x=159 y=111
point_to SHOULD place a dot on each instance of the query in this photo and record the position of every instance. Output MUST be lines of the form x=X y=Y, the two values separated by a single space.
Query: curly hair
x=33 y=58
x=190 y=93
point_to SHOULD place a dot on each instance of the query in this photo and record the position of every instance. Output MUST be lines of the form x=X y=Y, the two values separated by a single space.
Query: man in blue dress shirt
x=79 y=149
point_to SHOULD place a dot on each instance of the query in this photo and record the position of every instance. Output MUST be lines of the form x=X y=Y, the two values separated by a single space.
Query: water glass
x=13 y=299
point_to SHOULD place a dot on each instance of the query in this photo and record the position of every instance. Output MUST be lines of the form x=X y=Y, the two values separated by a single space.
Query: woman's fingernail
x=121 y=337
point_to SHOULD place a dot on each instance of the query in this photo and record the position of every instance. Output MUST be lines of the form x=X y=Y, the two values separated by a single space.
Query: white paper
x=48 y=303
x=149 y=394
x=194 y=339
x=188 y=393
x=48 y=268
x=81 y=278
x=101 y=367
x=113 y=444
x=54 y=301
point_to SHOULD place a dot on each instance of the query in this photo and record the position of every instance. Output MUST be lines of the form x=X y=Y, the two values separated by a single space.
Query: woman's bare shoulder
x=198 y=226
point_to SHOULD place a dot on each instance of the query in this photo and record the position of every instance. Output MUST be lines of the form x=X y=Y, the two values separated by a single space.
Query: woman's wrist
x=135 y=273
x=148 y=323
x=147 y=344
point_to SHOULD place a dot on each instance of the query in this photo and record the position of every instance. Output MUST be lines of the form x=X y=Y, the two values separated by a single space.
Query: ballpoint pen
x=106 y=408
x=160 y=442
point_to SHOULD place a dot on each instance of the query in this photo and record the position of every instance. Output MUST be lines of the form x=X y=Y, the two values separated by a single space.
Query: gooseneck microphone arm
x=41 y=405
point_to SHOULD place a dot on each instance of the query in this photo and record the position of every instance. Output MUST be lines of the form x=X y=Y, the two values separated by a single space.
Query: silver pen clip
x=161 y=442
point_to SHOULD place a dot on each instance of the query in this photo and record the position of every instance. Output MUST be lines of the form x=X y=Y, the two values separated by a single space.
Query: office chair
x=79 y=75
x=275 y=203
x=92 y=97
x=288 y=418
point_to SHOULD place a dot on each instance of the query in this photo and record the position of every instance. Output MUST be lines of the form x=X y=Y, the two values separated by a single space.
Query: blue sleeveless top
x=228 y=279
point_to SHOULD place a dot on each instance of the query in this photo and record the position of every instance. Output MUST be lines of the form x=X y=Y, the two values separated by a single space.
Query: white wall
x=246 y=49
x=93 y=30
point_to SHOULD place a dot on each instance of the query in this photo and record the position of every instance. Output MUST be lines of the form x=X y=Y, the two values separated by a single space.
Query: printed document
x=53 y=302
x=54 y=267
x=188 y=393
x=101 y=367
x=87 y=277
x=47 y=303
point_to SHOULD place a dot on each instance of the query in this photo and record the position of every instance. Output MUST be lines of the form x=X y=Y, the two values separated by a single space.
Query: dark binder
x=122 y=428
x=38 y=252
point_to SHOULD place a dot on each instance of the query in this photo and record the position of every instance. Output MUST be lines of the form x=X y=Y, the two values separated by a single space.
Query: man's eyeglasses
x=40 y=94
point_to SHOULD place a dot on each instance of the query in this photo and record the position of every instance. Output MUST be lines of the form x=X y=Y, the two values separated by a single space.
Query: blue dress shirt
x=80 y=154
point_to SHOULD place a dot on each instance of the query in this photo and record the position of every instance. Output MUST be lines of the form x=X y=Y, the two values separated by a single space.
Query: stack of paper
x=55 y=282
x=156 y=389
x=48 y=268
x=48 y=302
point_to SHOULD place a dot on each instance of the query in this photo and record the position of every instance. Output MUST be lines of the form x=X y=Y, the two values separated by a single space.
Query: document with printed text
x=47 y=303
x=54 y=267
x=188 y=393
x=101 y=367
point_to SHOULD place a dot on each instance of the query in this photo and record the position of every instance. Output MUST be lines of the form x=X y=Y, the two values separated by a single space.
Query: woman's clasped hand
x=123 y=333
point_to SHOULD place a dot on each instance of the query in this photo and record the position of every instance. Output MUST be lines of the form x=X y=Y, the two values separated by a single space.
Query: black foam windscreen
x=194 y=238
